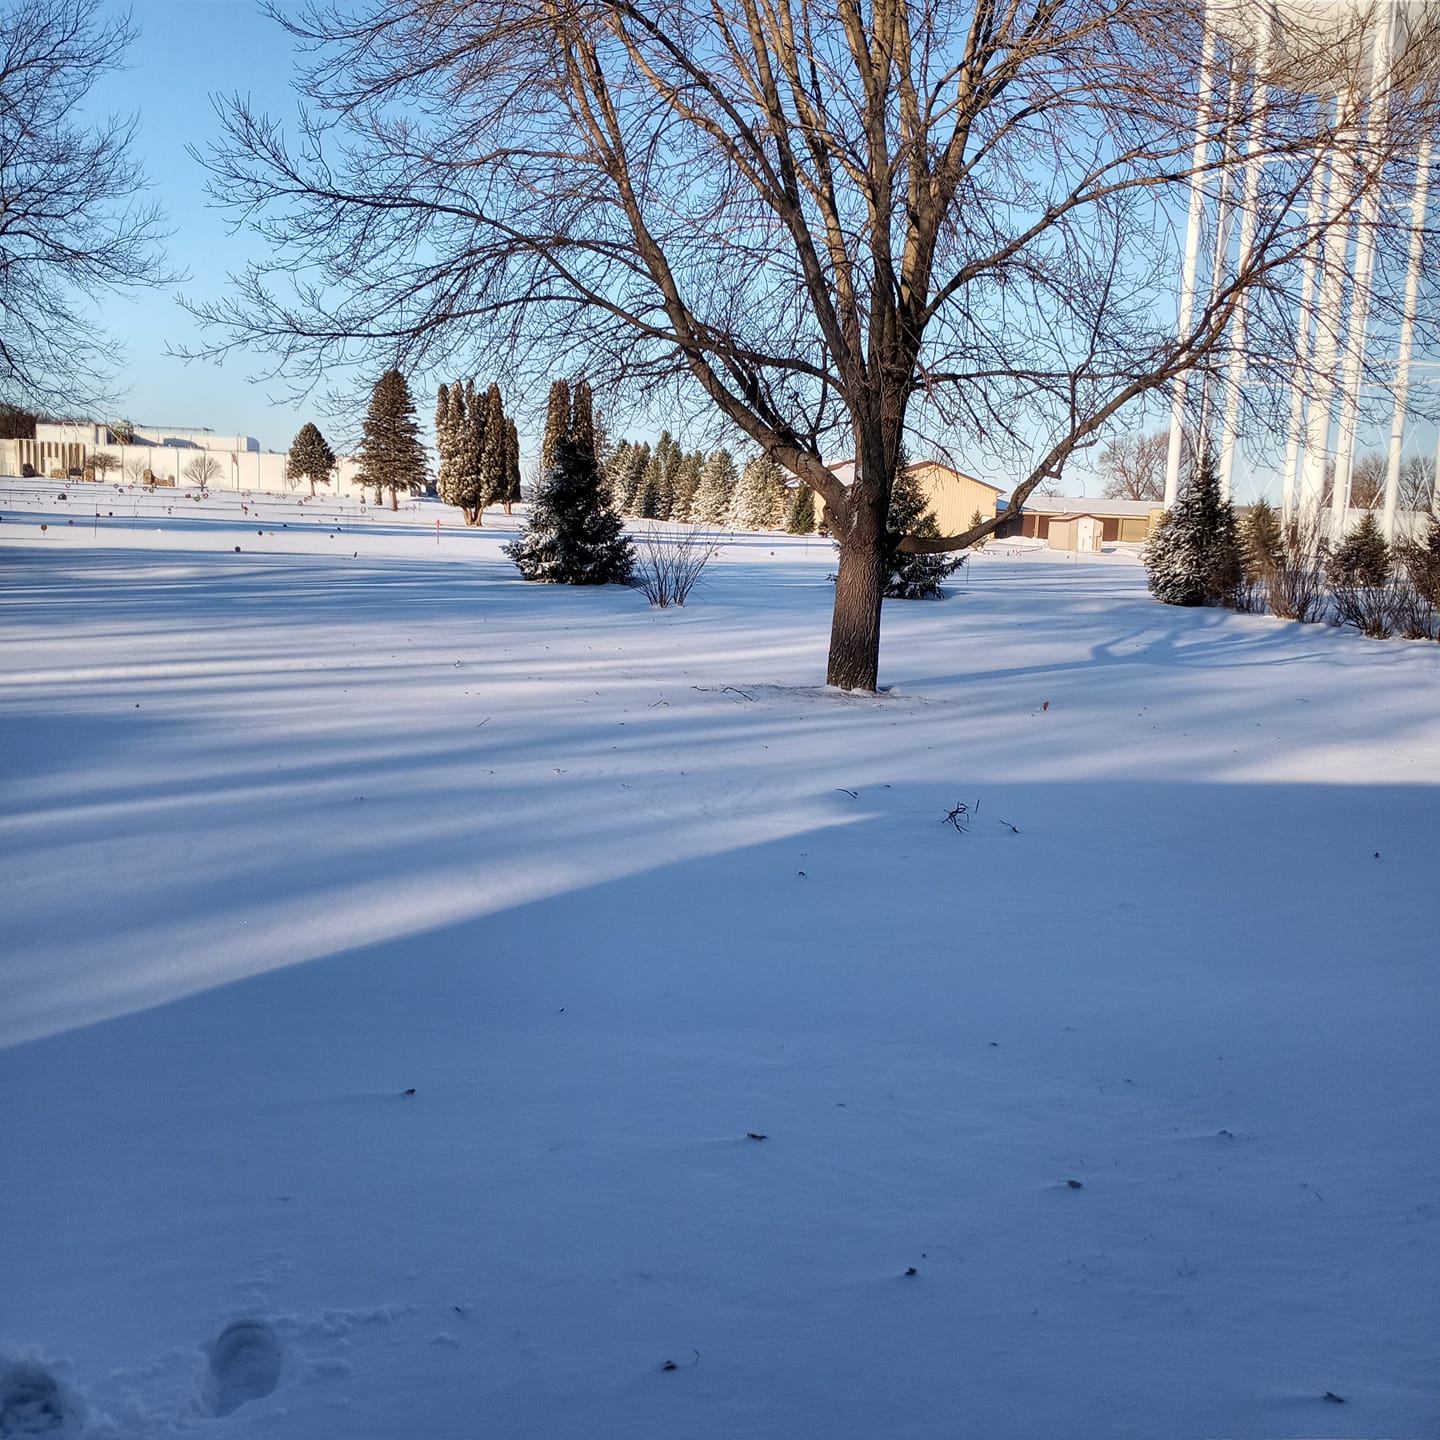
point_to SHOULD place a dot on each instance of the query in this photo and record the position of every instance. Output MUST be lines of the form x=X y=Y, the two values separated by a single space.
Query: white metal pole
x=1198 y=155
x=1328 y=315
x=1353 y=369
x=1236 y=378
x=1224 y=223
x=1418 y=201
x=1304 y=335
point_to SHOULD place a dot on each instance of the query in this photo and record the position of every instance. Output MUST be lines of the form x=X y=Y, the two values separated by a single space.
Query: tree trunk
x=312 y=487
x=394 y=498
x=855 y=625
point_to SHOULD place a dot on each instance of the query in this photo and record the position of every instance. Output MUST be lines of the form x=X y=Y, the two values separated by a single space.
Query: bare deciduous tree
x=1133 y=466
x=202 y=470
x=103 y=462
x=836 y=222
x=70 y=227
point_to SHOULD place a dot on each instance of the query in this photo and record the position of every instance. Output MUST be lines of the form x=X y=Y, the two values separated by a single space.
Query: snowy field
x=401 y=963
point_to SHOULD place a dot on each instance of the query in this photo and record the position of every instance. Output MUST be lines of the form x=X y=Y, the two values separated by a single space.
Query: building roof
x=844 y=471
x=1069 y=506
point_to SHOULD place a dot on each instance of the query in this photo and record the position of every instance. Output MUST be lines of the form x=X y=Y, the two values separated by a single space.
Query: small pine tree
x=557 y=424
x=573 y=536
x=310 y=457
x=391 y=456
x=800 y=512
x=759 y=495
x=717 y=489
x=908 y=576
x=1193 y=558
x=977 y=518
x=1262 y=543
x=1361 y=558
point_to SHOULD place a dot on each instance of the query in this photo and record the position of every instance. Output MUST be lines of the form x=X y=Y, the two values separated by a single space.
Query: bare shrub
x=669 y=563
x=1295 y=586
x=1367 y=607
x=1413 y=612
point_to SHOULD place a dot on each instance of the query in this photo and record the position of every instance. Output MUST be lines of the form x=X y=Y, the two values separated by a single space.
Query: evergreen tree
x=800 y=512
x=613 y=473
x=1193 y=558
x=444 y=441
x=1262 y=544
x=557 y=424
x=1422 y=562
x=907 y=576
x=685 y=487
x=759 y=495
x=511 y=494
x=717 y=489
x=469 y=416
x=310 y=457
x=391 y=456
x=630 y=493
x=1361 y=558
x=573 y=536
x=582 y=421
x=490 y=468
x=450 y=434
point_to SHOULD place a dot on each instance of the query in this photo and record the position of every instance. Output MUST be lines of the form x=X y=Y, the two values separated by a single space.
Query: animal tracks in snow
x=33 y=1402
x=245 y=1363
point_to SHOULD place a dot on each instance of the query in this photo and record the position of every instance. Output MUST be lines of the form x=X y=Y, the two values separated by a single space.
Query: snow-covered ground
x=399 y=959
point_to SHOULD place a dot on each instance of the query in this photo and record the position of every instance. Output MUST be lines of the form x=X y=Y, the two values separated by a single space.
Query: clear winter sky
x=188 y=51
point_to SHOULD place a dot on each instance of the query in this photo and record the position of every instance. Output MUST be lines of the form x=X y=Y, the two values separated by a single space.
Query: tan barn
x=1078 y=523
x=952 y=496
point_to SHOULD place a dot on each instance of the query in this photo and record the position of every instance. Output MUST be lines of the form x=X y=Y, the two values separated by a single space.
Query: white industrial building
x=162 y=455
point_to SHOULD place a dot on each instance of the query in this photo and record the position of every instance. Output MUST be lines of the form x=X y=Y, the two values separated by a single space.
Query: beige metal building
x=954 y=498
x=1078 y=523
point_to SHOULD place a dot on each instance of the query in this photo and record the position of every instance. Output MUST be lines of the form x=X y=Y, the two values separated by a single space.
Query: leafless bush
x=1295 y=586
x=1252 y=595
x=1368 y=608
x=1413 y=612
x=669 y=563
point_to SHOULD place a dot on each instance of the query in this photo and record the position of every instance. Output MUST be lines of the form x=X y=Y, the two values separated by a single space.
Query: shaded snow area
x=437 y=1006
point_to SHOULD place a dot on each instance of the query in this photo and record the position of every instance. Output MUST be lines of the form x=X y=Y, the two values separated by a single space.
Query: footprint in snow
x=32 y=1402
x=244 y=1365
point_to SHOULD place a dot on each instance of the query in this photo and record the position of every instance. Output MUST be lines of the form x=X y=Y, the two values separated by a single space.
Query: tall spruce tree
x=717 y=489
x=800 y=511
x=511 y=493
x=310 y=457
x=444 y=443
x=490 y=464
x=582 y=421
x=1193 y=558
x=630 y=483
x=470 y=416
x=391 y=456
x=573 y=536
x=686 y=486
x=759 y=495
x=557 y=424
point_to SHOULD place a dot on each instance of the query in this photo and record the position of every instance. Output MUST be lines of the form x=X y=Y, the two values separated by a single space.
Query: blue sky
x=186 y=52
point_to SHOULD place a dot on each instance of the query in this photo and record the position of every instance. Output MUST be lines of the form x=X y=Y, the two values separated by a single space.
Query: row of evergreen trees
x=1202 y=555
x=479 y=450
x=668 y=483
